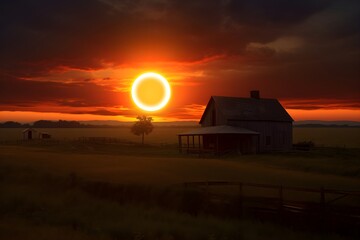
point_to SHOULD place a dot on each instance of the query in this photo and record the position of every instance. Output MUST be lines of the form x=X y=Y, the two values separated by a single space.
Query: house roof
x=223 y=129
x=249 y=109
x=29 y=129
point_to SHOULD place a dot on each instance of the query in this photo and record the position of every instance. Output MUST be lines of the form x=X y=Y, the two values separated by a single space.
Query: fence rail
x=325 y=211
x=272 y=186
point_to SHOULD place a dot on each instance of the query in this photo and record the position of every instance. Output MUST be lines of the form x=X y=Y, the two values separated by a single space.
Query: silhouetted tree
x=142 y=126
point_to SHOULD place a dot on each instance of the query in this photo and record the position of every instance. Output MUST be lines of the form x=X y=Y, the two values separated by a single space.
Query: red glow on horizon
x=187 y=113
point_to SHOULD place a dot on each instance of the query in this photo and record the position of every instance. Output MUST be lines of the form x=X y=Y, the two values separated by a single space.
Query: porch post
x=199 y=142
x=187 y=141
x=217 y=143
x=180 y=144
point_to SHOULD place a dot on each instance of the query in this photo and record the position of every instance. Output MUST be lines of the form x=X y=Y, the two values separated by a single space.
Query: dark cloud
x=277 y=12
x=105 y=112
x=44 y=34
x=322 y=62
x=31 y=93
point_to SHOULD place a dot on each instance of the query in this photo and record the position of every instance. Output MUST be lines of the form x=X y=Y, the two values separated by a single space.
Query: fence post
x=207 y=189
x=187 y=142
x=322 y=197
x=180 y=144
x=240 y=199
x=323 y=209
x=281 y=199
x=199 y=146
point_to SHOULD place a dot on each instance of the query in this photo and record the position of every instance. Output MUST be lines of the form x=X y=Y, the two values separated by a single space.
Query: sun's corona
x=151 y=91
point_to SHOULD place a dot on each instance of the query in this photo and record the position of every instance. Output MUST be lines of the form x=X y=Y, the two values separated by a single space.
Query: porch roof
x=214 y=130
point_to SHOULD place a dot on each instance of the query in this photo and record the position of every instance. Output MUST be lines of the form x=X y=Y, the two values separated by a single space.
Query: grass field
x=329 y=137
x=158 y=166
x=36 y=201
x=160 y=135
x=333 y=137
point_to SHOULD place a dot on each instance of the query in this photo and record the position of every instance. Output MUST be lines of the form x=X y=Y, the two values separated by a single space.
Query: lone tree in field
x=142 y=126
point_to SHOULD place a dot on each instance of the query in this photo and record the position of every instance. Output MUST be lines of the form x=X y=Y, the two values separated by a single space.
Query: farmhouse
x=245 y=125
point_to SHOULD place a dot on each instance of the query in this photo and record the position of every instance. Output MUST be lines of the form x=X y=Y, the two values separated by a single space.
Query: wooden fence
x=326 y=207
x=100 y=139
x=280 y=188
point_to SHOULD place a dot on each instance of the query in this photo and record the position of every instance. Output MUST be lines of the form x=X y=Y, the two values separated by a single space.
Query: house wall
x=274 y=136
x=279 y=133
x=242 y=143
x=208 y=118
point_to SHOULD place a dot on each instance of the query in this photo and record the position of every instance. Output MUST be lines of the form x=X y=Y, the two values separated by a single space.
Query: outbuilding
x=29 y=134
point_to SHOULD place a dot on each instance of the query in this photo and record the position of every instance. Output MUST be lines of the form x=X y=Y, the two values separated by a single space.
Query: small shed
x=29 y=134
x=219 y=139
x=44 y=135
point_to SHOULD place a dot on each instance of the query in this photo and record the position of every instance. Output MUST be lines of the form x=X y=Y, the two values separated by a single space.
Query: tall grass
x=38 y=199
x=36 y=205
x=330 y=168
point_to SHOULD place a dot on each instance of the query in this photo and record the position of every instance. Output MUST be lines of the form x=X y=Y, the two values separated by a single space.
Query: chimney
x=255 y=94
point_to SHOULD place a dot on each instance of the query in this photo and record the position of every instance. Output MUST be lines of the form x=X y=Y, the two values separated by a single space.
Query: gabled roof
x=223 y=129
x=249 y=109
x=29 y=129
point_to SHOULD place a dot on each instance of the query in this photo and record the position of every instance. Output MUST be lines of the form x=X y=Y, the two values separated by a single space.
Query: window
x=268 y=140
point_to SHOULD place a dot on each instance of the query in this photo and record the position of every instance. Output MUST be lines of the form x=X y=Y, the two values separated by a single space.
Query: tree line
x=47 y=124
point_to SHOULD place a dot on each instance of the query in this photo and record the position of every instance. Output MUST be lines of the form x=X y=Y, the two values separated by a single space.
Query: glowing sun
x=151 y=91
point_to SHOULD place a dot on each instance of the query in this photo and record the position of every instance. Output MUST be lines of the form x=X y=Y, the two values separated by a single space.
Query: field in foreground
x=134 y=164
x=37 y=201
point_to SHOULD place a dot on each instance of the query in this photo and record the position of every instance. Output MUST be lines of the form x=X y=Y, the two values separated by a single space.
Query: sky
x=77 y=59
